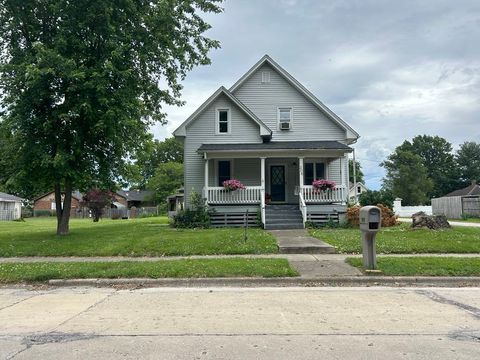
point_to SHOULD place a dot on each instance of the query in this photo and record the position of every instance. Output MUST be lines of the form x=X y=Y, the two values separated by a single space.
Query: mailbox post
x=370 y=224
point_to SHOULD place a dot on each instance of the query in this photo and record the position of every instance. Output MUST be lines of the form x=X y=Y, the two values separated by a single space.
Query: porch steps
x=280 y=217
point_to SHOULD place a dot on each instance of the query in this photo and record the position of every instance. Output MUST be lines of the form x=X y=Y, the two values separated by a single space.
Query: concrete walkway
x=300 y=242
x=453 y=223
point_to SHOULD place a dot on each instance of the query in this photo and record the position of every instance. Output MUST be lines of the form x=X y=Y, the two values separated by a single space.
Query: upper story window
x=265 y=77
x=223 y=125
x=285 y=118
x=359 y=190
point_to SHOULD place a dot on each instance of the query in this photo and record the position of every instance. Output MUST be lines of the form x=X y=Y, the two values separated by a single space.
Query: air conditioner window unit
x=284 y=125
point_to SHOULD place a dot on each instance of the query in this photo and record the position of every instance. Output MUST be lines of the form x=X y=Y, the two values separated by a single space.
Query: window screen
x=308 y=174
x=223 y=172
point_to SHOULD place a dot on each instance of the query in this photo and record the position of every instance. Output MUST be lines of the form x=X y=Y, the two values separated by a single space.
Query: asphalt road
x=240 y=323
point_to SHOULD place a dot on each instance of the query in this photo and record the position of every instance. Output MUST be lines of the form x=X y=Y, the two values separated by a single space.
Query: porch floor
x=299 y=242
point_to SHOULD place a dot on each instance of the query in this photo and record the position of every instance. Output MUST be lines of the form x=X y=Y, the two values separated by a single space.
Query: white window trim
x=217 y=120
x=232 y=164
x=291 y=116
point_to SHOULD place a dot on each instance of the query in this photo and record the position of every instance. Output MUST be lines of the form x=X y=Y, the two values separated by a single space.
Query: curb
x=400 y=281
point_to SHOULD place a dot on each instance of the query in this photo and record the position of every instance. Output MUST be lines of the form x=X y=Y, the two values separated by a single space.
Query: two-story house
x=274 y=136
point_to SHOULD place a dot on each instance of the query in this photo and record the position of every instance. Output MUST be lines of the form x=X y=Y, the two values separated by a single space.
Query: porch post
x=262 y=191
x=205 y=189
x=300 y=173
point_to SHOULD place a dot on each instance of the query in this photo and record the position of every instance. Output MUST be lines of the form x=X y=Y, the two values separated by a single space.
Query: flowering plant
x=324 y=185
x=232 y=185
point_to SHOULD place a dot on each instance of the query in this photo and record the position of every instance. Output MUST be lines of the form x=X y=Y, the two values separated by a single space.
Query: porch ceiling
x=276 y=146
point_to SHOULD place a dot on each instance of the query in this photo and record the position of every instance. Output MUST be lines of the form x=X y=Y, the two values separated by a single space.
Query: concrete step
x=283 y=226
x=284 y=221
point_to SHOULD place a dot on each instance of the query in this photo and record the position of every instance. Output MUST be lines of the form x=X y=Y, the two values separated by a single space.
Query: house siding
x=309 y=122
x=202 y=131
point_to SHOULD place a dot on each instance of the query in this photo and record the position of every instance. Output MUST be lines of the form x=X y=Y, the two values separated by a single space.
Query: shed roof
x=473 y=189
x=277 y=145
x=9 y=198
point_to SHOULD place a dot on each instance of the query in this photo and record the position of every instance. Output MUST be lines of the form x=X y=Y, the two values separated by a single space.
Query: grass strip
x=185 y=268
x=401 y=239
x=424 y=266
x=138 y=237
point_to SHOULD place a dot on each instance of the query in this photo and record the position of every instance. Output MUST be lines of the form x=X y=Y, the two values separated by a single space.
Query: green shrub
x=198 y=216
x=374 y=197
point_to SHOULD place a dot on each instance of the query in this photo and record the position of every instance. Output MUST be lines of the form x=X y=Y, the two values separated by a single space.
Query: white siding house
x=275 y=137
x=10 y=207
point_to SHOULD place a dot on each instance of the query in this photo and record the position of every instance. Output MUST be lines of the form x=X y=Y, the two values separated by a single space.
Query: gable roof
x=75 y=194
x=9 y=198
x=473 y=189
x=264 y=129
x=351 y=134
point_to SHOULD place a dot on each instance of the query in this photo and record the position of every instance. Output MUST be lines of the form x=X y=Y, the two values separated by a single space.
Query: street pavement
x=240 y=323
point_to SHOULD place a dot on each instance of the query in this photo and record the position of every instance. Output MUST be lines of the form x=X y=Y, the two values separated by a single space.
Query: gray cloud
x=391 y=69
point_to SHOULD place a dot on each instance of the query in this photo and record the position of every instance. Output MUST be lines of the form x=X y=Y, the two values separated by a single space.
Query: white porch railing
x=249 y=195
x=312 y=195
x=303 y=208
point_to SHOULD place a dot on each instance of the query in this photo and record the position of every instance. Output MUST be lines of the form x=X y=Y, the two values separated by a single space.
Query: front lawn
x=401 y=239
x=139 y=237
x=424 y=266
x=191 y=268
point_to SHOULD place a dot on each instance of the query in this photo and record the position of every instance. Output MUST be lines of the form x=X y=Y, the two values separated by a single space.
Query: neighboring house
x=361 y=188
x=134 y=198
x=46 y=203
x=10 y=207
x=269 y=132
x=459 y=203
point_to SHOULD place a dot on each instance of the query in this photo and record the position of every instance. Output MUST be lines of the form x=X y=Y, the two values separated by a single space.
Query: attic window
x=223 y=122
x=265 y=77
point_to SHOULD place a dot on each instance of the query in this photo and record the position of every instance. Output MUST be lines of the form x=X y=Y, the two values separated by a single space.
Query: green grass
x=191 y=268
x=424 y=266
x=139 y=237
x=403 y=240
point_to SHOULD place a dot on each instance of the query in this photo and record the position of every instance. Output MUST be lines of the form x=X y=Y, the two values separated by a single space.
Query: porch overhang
x=276 y=149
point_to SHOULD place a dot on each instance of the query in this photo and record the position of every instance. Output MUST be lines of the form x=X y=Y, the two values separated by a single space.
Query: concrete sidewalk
x=299 y=241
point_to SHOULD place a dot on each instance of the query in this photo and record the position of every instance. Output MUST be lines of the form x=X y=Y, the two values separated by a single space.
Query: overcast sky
x=391 y=69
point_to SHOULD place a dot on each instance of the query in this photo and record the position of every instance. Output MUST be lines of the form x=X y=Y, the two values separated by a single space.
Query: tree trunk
x=63 y=212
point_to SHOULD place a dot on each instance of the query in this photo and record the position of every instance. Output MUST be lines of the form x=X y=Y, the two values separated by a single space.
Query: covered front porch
x=281 y=177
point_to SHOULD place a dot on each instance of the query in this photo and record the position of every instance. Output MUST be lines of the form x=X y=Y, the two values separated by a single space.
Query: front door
x=277 y=182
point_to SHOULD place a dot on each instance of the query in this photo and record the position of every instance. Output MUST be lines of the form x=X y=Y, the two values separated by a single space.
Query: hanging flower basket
x=232 y=185
x=323 y=185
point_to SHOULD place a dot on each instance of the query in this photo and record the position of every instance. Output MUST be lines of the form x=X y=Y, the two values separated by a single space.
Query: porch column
x=205 y=189
x=262 y=191
x=300 y=173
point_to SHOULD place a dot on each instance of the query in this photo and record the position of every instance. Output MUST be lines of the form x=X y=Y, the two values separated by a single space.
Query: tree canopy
x=167 y=179
x=82 y=81
x=468 y=160
x=358 y=171
x=407 y=177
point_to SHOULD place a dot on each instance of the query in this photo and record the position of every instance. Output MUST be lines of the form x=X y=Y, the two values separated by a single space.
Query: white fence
x=407 y=211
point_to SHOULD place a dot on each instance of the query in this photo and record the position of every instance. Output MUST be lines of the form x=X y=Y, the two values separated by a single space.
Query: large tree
x=437 y=157
x=468 y=161
x=358 y=171
x=139 y=172
x=167 y=179
x=407 y=177
x=82 y=81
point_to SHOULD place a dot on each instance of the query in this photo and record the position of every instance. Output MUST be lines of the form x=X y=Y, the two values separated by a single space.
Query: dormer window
x=285 y=118
x=223 y=126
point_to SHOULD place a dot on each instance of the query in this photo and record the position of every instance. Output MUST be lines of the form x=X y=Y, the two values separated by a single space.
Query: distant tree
x=82 y=81
x=96 y=200
x=407 y=177
x=167 y=179
x=139 y=172
x=468 y=162
x=359 y=172
x=438 y=159
x=374 y=197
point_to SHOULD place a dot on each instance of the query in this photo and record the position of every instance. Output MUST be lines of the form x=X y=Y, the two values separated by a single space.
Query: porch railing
x=303 y=208
x=312 y=195
x=249 y=195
